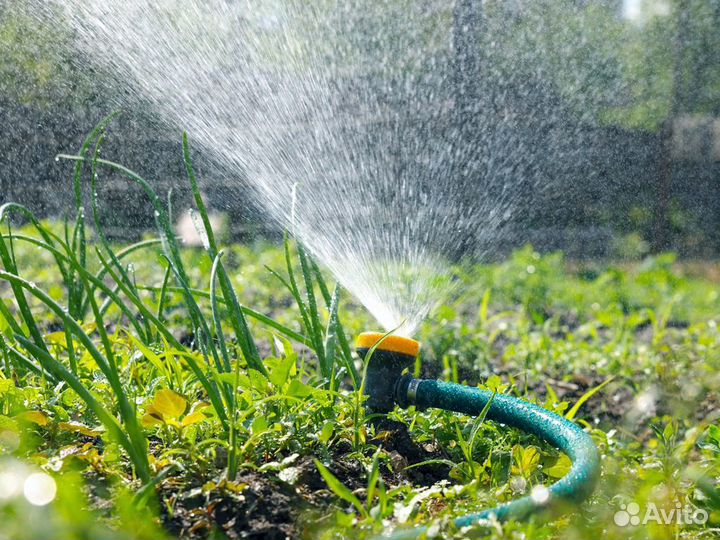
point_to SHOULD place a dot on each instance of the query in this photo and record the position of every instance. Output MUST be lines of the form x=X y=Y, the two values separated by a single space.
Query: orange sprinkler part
x=396 y=344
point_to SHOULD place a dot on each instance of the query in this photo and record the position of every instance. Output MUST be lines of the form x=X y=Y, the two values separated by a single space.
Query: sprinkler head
x=384 y=371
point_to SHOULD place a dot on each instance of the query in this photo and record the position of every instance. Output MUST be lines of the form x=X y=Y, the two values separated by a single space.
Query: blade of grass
x=314 y=316
x=11 y=269
x=161 y=217
x=339 y=330
x=84 y=149
x=587 y=395
x=330 y=339
x=78 y=307
x=127 y=411
x=9 y=318
x=46 y=234
x=24 y=361
x=168 y=238
x=237 y=318
x=99 y=230
x=216 y=313
x=202 y=330
x=79 y=237
x=292 y=286
x=232 y=450
x=340 y=489
x=163 y=294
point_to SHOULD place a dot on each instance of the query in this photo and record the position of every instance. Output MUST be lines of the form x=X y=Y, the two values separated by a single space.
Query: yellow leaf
x=77 y=427
x=169 y=404
x=151 y=409
x=89 y=327
x=193 y=418
x=56 y=338
x=36 y=417
x=237 y=487
x=149 y=420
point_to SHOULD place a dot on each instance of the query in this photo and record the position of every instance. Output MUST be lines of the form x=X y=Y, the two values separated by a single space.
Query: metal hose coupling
x=386 y=386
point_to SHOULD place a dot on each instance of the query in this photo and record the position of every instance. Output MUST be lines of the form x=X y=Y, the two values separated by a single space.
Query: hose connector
x=392 y=355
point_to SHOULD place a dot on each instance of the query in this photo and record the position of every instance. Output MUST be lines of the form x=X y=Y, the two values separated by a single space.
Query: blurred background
x=634 y=85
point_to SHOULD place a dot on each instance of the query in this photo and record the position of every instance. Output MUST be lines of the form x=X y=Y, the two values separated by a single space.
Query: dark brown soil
x=261 y=508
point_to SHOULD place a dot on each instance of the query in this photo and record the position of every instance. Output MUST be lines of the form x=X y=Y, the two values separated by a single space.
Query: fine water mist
x=384 y=135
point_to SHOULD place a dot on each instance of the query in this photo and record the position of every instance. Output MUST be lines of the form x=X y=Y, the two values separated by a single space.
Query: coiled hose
x=386 y=387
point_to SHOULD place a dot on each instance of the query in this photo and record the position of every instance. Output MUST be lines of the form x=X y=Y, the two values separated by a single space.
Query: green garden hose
x=384 y=375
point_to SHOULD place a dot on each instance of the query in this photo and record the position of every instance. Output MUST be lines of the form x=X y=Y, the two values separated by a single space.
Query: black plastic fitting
x=384 y=373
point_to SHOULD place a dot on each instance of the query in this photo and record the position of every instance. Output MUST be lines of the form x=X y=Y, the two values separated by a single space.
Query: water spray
x=387 y=386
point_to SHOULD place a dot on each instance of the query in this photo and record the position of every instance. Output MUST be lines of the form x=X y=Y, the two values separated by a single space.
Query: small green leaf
x=526 y=460
x=326 y=432
x=259 y=425
x=494 y=384
x=560 y=468
x=229 y=378
x=258 y=381
x=148 y=353
x=299 y=389
x=280 y=369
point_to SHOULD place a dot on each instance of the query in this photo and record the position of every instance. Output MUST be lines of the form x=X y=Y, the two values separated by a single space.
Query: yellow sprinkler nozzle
x=395 y=344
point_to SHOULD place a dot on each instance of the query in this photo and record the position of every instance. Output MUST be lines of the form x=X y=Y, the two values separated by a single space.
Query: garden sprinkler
x=386 y=386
